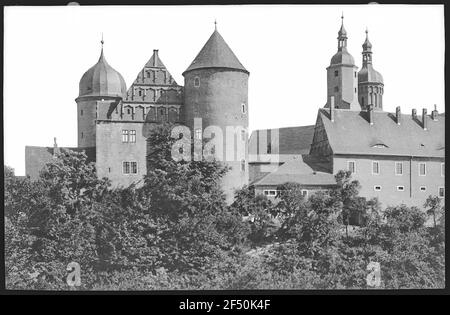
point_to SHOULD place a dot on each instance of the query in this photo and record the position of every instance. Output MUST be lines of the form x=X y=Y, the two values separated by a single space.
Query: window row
x=129 y=168
x=441 y=190
x=274 y=192
x=128 y=136
x=398 y=169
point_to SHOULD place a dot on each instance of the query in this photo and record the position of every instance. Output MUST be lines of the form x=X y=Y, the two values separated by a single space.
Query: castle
x=396 y=157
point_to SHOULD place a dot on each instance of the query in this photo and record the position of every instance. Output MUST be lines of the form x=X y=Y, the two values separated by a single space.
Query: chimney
x=155 y=57
x=55 y=148
x=398 y=115
x=414 y=114
x=434 y=113
x=332 y=108
x=370 y=113
x=424 y=119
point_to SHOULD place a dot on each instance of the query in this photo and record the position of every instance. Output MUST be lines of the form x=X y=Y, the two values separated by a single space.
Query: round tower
x=100 y=83
x=216 y=97
x=370 y=81
x=342 y=76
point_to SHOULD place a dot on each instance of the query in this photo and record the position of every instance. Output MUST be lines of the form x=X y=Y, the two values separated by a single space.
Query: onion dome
x=342 y=56
x=367 y=72
x=102 y=80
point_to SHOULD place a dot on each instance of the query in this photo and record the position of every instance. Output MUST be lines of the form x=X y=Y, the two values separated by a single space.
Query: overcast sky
x=285 y=48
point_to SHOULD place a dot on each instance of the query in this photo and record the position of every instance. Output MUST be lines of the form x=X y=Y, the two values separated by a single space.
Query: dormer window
x=380 y=145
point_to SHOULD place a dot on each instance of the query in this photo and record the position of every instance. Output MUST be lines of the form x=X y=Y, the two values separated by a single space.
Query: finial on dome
x=215 y=25
x=102 y=42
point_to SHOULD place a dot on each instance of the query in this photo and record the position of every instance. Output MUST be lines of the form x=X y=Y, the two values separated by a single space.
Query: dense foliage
x=175 y=231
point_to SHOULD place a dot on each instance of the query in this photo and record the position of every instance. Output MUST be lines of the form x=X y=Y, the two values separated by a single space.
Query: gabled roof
x=216 y=54
x=293 y=141
x=297 y=171
x=351 y=133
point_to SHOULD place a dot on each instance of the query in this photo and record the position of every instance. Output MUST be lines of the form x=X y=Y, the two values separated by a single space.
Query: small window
x=422 y=169
x=81 y=112
x=423 y=188
x=355 y=74
x=400 y=188
x=243 y=135
x=243 y=108
x=126 y=168
x=441 y=192
x=109 y=169
x=442 y=169
x=355 y=90
x=198 y=134
x=140 y=93
x=336 y=73
x=133 y=136
x=82 y=135
x=375 y=168
x=304 y=193
x=129 y=111
x=377 y=188
x=124 y=135
x=148 y=74
x=271 y=192
x=197 y=82
x=336 y=89
x=243 y=165
x=269 y=148
x=134 y=169
x=398 y=168
x=351 y=166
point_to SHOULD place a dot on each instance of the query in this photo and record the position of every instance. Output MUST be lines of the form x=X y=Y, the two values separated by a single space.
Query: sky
x=286 y=49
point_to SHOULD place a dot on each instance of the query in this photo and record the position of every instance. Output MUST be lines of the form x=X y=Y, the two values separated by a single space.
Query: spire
x=101 y=53
x=342 y=35
x=367 y=50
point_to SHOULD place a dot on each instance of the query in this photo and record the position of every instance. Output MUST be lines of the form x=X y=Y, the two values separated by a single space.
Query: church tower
x=342 y=76
x=370 y=81
x=216 y=108
x=101 y=88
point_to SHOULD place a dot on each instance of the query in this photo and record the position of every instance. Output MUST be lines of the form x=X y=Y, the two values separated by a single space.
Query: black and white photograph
x=224 y=148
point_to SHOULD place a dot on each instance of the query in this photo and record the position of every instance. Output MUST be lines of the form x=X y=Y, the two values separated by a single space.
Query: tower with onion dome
x=370 y=81
x=216 y=107
x=342 y=81
x=100 y=87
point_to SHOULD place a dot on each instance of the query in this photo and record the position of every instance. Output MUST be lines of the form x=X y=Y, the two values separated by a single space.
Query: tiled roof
x=293 y=141
x=351 y=133
x=216 y=54
x=297 y=171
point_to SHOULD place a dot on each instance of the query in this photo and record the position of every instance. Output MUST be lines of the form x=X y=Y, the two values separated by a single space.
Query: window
x=442 y=169
x=377 y=188
x=400 y=188
x=355 y=74
x=81 y=112
x=198 y=134
x=126 y=167
x=423 y=188
x=243 y=108
x=304 y=193
x=128 y=111
x=269 y=148
x=398 y=168
x=197 y=82
x=134 y=169
x=336 y=73
x=140 y=93
x=375 y=168
x=109 y=169
x=422 y=169
x=336 y=89
x=441 y=192
x=82 y=135
x=351 y=166
x=243 y=165
x=243 y=135
x=133 y=136
x=124 y=135
x=270 y=192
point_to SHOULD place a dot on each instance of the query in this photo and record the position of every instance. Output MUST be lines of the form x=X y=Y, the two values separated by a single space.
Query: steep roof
x=293 y=141
x=297 y=171
x=216 y=54
x=351 y=133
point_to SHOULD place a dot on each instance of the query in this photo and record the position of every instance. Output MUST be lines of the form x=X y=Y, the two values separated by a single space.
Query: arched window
x=242 y=165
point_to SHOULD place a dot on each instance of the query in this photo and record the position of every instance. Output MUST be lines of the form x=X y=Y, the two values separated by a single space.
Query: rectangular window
x=242 y=165
x=198 y=134
x=351 y=166
x=398 y=168
x=133 y=136
x=423 y=188
x=375 y=168
x=81 y=112
x=126 y=168
x=377 y=188
x=124 y=135
x=400 y=188
x=243 y=135
x=304 y=193
x=422 y=169
x=442 y=169
x=271 y=192
x=134 y=169
x=336 y=73
x=441 y=192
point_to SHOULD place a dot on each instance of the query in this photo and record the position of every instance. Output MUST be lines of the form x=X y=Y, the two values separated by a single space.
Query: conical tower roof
x=216 y=54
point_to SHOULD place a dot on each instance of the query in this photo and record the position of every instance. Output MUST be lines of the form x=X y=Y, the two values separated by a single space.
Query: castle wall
x=389 y=181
